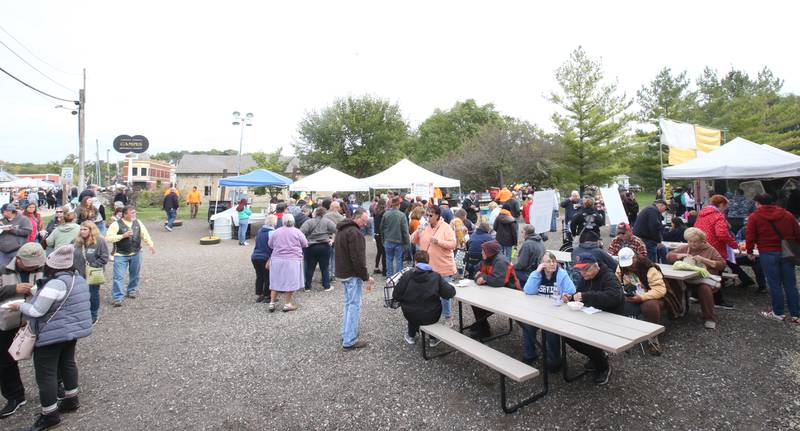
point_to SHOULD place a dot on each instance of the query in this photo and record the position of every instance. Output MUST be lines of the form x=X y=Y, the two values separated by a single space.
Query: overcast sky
x=175 y=70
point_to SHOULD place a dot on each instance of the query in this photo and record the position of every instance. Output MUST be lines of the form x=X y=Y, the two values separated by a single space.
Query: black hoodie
x=603 y=292
x=506 y=228
x=418 y=293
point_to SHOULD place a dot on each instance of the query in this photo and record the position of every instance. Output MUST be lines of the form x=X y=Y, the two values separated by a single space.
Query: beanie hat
x=506 y=212
x=61 y=258
x=491 y=248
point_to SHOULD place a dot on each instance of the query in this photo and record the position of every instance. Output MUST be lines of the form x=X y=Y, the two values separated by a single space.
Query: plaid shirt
x=635 y=244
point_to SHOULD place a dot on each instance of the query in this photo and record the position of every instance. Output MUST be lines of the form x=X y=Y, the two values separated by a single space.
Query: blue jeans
x=553 y=221
x=352 y=310
x=446 y=302
x=394 y=257
x=94 y=300
x=101 y=226
x=781 y=280
x=243 y=229
x=132 y=264
x=171 y=217
x=529 y=345
x=318 y=254
x=332 y=266
x=655 y=254
x=506 y=250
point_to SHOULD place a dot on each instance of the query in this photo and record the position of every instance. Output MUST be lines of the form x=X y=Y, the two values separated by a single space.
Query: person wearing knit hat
x=507 y=232
x=495 y=271
x=60 y=311
x=18 y=278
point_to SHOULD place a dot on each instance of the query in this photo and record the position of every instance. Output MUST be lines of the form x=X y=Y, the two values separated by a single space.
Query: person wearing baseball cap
x=14 y=231
x=18 y=278
x=60 y=312
x=626 y=238
x=598 y=288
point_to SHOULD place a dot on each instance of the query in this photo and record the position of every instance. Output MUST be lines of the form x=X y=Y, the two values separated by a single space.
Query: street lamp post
x=242 y=122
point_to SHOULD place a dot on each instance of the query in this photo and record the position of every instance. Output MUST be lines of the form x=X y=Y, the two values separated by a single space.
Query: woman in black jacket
x=419 y=292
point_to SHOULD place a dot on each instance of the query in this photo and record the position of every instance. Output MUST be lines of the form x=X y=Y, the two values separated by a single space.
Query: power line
x=34 y=67
x=36 y=56
x=34 y=88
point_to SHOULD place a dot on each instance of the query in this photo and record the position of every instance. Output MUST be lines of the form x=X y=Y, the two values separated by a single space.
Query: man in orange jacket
x=193 y=199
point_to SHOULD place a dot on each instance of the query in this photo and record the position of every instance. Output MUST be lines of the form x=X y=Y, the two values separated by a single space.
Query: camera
x=629 y=289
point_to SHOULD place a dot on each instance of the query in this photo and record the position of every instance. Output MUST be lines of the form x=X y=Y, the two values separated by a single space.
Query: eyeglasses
x=59 y=212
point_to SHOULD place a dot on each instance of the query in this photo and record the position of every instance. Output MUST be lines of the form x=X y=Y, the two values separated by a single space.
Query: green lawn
x=155 y=214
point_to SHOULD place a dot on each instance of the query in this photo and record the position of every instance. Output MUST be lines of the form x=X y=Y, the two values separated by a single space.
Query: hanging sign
x=131 y=144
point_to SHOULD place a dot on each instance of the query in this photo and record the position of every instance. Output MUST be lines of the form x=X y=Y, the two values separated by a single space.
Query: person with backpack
x=587 y=218
x=767 y=228
x=496 y=271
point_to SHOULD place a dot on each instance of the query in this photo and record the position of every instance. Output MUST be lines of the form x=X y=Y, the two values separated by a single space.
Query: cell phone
x=629 y=289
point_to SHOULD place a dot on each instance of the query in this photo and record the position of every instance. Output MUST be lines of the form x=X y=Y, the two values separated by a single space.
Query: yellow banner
x=680 y=155
x=707 y=139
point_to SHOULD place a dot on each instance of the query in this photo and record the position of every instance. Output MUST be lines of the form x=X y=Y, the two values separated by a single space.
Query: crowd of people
x=51 y=279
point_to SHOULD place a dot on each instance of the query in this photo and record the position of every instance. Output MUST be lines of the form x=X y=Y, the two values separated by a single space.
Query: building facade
x=148 y=174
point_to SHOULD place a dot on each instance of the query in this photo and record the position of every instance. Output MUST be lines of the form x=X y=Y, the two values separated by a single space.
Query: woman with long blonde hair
x=91 y=250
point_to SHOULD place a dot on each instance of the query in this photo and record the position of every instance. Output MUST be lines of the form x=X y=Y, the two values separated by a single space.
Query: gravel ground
x=195 y=352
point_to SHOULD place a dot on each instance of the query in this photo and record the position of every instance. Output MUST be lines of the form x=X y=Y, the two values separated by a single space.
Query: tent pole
x=661 y=168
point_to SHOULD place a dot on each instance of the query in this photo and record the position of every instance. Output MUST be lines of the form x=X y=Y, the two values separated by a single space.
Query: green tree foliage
x=360 y=136
x=593 y=123
x=502 y=152
x=174 y=156
x=272 y=162
x=445 y=131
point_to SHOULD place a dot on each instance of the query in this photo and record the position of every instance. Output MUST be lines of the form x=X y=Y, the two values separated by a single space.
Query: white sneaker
x=329 y=289
x=245 y=243
x=710 y=324
x=434 y=342
x=169 y=229
x=409 y=340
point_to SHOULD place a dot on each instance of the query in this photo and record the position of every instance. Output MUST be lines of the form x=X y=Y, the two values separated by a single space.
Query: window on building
x=207 y=191
x=144 y=172
x=135 y=171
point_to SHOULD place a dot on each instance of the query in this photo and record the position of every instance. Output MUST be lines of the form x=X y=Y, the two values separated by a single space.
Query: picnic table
x=607 y=331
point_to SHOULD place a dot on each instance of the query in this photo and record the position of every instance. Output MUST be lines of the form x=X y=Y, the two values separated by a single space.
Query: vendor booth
x=738 y=159
x=329 y=180
x=407 y=175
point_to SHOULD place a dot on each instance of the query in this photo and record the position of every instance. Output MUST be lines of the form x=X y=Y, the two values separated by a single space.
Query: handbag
x=460 y=258
x=25 y=340
x=94 y=276
x=790 y=249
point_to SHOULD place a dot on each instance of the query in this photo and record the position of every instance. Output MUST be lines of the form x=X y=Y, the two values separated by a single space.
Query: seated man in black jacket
x=419 y=292
x=598 y=288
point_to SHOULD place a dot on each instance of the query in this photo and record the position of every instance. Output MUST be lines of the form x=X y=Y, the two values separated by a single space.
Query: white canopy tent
x=738 y=159
x=329 y=180
x=27 y=183
x=404 y=173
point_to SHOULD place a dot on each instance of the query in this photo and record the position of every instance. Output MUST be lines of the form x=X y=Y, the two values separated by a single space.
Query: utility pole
x=81 y=132
x=108 y=167
x=97 y=161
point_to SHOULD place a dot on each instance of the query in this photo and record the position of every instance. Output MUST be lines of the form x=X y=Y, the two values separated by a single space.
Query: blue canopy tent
x=256 y=178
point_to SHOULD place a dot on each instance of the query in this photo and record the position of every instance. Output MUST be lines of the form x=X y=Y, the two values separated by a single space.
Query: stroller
x=566 y=238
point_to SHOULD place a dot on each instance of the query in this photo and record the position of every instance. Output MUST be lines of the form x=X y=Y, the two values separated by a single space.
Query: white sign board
x=423 y=190
x=615 y=212
x=5 y=198
x=66 y=175
x=542 y=210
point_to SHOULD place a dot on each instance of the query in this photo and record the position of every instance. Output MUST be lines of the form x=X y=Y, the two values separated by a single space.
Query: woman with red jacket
x=32 y=213
x=711 y=220
x=766 y=227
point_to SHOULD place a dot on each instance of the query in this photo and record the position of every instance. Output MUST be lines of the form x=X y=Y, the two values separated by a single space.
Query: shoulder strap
x=777 y=232
x=63 y=301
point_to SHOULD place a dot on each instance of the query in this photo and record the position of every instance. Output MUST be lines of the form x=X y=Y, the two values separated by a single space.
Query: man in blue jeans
x=171 y=208
x=394 y=231
x=351 y=268
x=127 y=235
